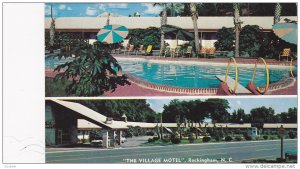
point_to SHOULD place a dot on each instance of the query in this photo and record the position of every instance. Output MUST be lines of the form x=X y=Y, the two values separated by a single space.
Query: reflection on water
x=195 y=76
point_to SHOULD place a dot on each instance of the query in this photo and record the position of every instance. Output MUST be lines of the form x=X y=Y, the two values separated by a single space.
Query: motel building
x=67 y=122
x=88 y=27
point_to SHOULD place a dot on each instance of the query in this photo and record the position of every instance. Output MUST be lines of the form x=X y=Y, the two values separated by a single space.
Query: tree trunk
x=162 y=36
x=277 y=13
x=237 y=29
x=52 y=32
x=195 y=25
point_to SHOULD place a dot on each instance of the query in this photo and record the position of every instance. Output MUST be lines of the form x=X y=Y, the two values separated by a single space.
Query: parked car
x=96 y=143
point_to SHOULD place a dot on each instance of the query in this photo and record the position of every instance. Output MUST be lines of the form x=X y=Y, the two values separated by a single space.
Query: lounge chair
x=140 y=50
x=202 y=52
x=148 y=50
x=189 y=51
x=116 y=50
x=167 y=51
x=177 y=51
x=130 y=50
x=285 y=53
x=210 y=52
x=124 y=50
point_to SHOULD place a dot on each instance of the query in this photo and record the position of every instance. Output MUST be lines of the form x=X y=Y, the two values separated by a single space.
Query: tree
x=277 y=13
x=52 y=32
x=237 y=27
x=173 y=8
x=92 y=72
x=194 y=15
x=225 y=39
x=239 y=116
x=292 y=115
x=163 y=21
x=218 y=110
x=251 y=40
x=263 y=115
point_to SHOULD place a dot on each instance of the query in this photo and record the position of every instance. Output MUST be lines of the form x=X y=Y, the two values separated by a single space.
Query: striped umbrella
x=286 y=32
x=112 y=34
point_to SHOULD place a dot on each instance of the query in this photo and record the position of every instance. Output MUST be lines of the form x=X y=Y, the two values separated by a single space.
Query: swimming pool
x=187 y=75
x=194 y=75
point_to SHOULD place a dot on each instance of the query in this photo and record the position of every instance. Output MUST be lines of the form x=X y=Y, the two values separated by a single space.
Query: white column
x=105 y=139
x=119 y=136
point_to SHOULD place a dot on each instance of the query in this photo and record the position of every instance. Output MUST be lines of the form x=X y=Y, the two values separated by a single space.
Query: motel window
x=209 y=35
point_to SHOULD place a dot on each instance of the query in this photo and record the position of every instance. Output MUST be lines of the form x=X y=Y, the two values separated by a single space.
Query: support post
x=105 y=139
x=119 y=136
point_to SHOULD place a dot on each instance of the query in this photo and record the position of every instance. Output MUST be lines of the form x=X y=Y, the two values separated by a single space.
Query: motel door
x=58 y=137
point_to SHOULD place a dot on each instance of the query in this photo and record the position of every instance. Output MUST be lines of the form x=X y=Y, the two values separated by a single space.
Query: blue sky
x=278 y=104
x=95 y=9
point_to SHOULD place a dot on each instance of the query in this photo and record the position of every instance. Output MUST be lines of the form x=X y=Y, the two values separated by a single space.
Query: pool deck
x=136 y=90
x=211 y=60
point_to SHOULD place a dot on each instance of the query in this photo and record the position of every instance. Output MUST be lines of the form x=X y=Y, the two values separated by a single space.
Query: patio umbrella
x=286 y=32
x=112 y=34
x=178 y=32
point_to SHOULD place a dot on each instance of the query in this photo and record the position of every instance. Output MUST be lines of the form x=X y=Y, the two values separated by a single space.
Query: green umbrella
x=286 y=32
x=178 y=32
x=112 y=34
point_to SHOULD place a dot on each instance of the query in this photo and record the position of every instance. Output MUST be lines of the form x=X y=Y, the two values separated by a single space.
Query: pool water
x=196 y=76
x=186 y=75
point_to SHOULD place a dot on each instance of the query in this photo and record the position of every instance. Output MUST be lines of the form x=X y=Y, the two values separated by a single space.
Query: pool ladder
x=250 y=86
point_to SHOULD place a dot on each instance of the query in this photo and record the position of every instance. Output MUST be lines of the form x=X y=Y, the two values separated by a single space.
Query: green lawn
x=55 y=89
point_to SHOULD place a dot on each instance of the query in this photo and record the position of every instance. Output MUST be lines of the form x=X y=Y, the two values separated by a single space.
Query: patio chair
x=125 y=49
x=116 y=50
x=167 y=51
x=189 y=51
x=141 y=48
x=130 y=50
x=177 y=51
x=202 y=52
x=148 y=50
x=285 y=53
x=210 y=52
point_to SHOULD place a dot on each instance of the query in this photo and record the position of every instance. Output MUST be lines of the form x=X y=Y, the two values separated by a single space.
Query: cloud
x=91 y=11
x=238 y=102
x=117 y=5
x=62 y=7
x=69 y=8
x=157 y=104
x=102 y=7
x=48 y=11
x=150 y=9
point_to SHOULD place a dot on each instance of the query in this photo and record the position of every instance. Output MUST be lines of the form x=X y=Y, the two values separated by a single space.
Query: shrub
x=265 y=137
x=247 y=136
x=272 y=138
x=95 y=135
x=206 y=139
x=165 y=140
x=228 y=138
x=150 y=140
x=292 y=135
x=83 y=140
x=238 y=138
x=150 y=133
x=191 y=138
x=175 y=139
x=251 y=39
x=155 y=138
x=99 y=77
x=128 y=134
x=225 y=39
